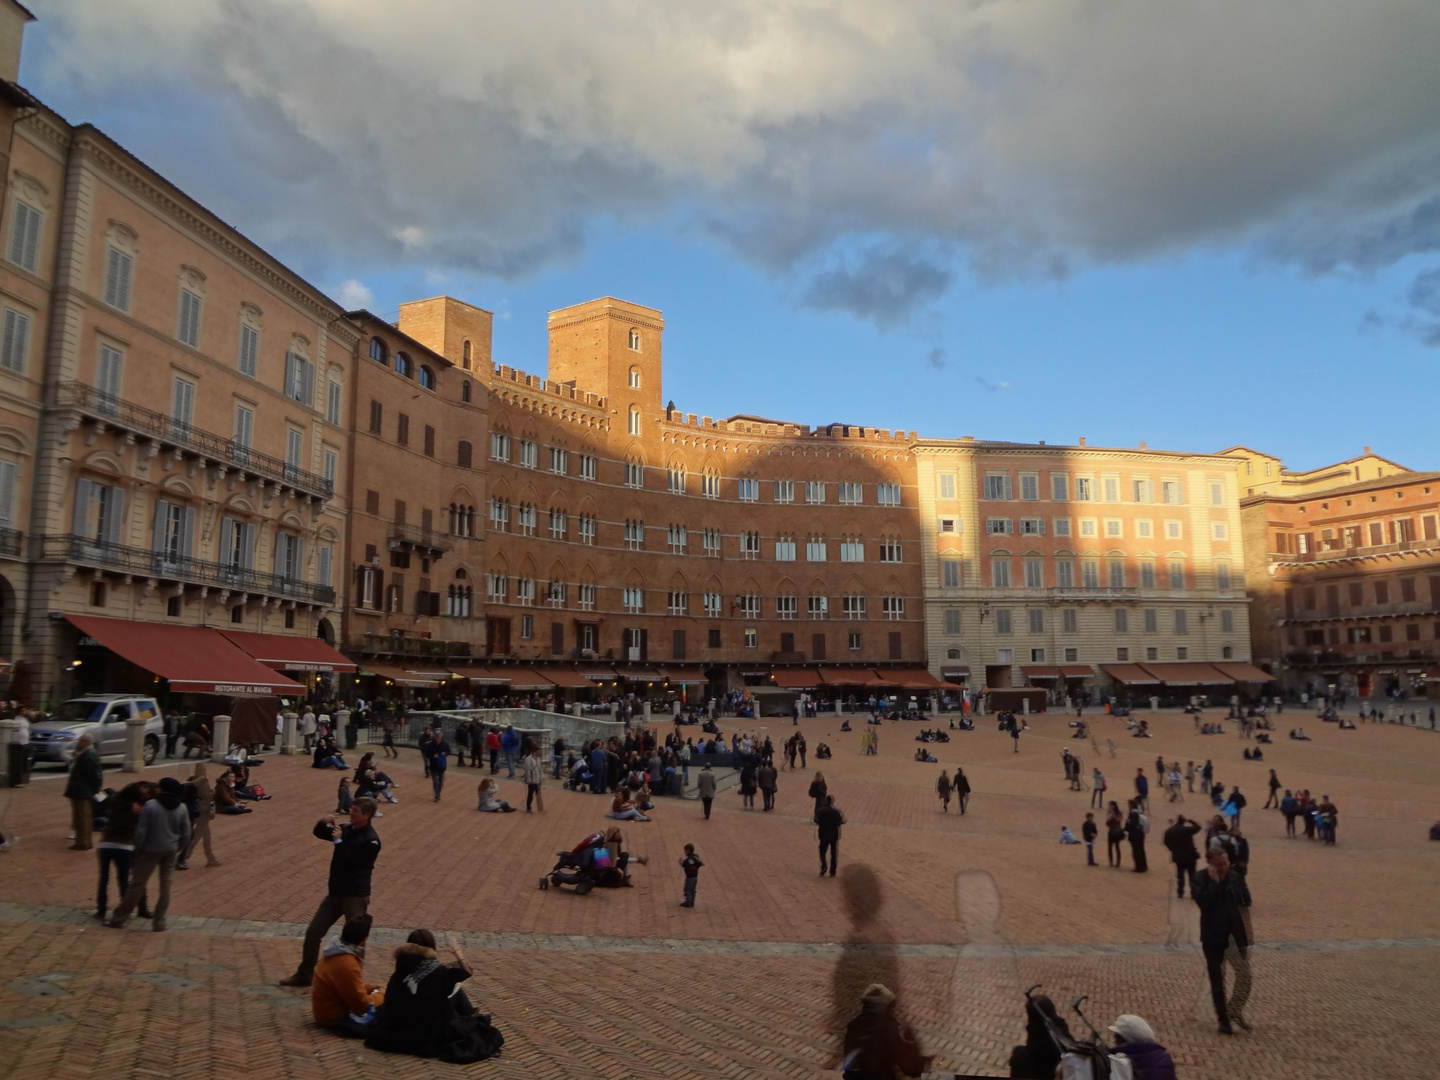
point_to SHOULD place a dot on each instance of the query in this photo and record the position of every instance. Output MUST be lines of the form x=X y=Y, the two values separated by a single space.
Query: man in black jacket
x=829 y=820
x=1180 y=839
x=356 y=846
x=1218 y=892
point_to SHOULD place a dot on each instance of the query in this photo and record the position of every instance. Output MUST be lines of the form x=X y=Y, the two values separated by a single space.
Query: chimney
x=1144 y=446
x=1367 y=450
x=1082 y=440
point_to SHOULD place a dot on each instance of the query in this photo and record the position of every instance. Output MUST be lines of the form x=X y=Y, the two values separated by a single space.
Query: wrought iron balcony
x=126 y=416
x=414 y=538
x=140 y=562
x=10 y=542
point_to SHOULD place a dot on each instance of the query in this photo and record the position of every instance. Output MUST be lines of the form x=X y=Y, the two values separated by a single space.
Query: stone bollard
x=675 y=707
x=289 y=724
x=1154 y=704
x=219 y=739
x=1025 y=703
x=645 y=709
x=343 y=739
x=575 y=708
x=934 y=706
x=134 y=744
x=9 y=733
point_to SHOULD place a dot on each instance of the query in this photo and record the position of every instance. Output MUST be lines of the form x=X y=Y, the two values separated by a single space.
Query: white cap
x=1132 y=1028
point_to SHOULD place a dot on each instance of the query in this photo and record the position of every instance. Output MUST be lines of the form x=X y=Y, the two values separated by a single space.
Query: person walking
x=439 y=762
x=203 y=805
x=1207 y=777
x=387 y=738
x=942 y=788
x=1237 y=801
x=1097 y=788
x=1180 y=839
x=599 y=768
x=492 y=745
x=1217 y=892
x=818 y=790
x=800 y=746
x=117 y=843
x=828 y=820
x=961 y=784
x=510 y=743
x=1089 y=831
x=1274 y=799
x=533 y=776
x=768 y=780
x=749 y=784
x=1290 y=807
x=162 y=832
x=1114 y=833
x=1142 y=788
x=1190 y=776
x=307 y=729
x=86 y=776
x=705 y=782
x=356 y=846
x=691 y=864
x=1136 y=826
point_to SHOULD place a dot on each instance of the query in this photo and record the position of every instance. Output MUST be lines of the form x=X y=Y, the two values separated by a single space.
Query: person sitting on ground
x=490 y=801
x=345 y=798
x=1136 y=1040
x=225 y=801
x=426 y=1012
x=822 y=751
x=844 y=725
x=1435 y=831
x=340 y=998
x=327 y=755
x=620 y=858
x=623 y=808
x=922 y=755
x=877 y=1044
x=244 y=788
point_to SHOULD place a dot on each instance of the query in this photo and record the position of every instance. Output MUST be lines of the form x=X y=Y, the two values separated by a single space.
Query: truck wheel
x=152 y=749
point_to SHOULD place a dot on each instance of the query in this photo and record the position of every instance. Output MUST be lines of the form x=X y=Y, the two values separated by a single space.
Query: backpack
x=438 y=762
x=1144 y=824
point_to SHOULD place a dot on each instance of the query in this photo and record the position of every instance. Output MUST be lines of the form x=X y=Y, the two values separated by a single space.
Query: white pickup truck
x=104 y=716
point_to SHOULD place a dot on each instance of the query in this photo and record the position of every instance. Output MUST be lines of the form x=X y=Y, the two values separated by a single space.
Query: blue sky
x=945 y=270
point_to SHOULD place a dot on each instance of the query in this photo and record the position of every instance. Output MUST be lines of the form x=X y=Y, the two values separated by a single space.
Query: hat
x=1132 y=1028
x=877 y=994
x=170 y=785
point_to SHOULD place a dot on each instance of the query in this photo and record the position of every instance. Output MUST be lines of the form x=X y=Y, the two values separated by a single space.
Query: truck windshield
x=81 y=712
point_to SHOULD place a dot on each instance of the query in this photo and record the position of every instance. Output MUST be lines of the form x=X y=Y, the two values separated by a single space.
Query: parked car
x=104 y=716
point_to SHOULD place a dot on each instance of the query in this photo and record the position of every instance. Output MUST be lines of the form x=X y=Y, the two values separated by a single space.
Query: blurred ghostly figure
x=985 y=986
x=868 y=955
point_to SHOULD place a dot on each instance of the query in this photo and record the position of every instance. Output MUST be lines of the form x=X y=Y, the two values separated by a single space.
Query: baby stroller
x=581 y=867
x=1080 y=1059
x=579 y=778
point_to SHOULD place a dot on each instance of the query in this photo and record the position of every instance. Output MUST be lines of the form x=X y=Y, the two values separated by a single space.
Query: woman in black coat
x=426 y=1014
x=1135 y=832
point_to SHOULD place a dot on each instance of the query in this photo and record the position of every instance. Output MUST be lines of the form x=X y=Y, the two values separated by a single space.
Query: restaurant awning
x=1077 y=671
x=1243 y=672
x=399 y=676
x=796 y=678
x=287 y=653
x=528 y=679
x=194 y=659
x=907 y=678
x=691 y=676
x=571 y=680
x=1130 y=674
x=849 y=676
x=1040 y=671
x=1190 y=674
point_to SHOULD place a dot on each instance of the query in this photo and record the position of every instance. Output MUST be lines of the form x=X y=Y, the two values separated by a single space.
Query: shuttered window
x=8 y=473
x=118 y=267
x=25 y=237
x=189 y=331
x=14 y=341
x=249 y=350
x=299 y=379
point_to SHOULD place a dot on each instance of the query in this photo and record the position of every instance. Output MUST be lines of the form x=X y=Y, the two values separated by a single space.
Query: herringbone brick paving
x=1325 y=1011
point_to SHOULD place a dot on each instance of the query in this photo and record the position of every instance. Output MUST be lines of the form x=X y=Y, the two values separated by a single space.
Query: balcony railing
x=166 y=430
x=1334 y=554
x=413 y=536
x=10 y=542
x=158 y=564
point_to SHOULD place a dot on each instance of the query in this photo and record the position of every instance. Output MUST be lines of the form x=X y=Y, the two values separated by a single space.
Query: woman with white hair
x=1136 y=1040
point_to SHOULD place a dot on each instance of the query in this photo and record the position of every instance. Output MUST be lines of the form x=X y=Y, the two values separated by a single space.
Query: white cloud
x=353 y=295
x=1028 y=138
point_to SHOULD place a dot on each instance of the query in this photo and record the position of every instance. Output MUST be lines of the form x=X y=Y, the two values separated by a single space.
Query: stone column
x=935 y=706
x=134 y=744
x=675 y=707
x=645 y=708
x=9 y=732
x=342 y=723
x=1025 y=704
x=1154 y=704
x=219 y=739
x=288 y=728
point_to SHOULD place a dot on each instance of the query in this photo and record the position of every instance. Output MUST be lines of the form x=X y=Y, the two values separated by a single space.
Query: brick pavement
x=748 y=993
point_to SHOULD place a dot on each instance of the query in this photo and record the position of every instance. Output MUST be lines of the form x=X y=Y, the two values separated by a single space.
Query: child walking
x=691 y=865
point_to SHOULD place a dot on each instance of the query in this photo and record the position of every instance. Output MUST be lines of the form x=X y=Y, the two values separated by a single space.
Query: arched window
x=634 y=425
x=465 y=391
x=427 y=377
x=635 y=340
x=465 y=355
x=377 y=351
x=404 y=366
x=634 y=378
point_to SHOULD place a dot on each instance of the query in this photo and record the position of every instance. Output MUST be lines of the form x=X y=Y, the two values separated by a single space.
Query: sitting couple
x=628 y=804
x=422 y=1011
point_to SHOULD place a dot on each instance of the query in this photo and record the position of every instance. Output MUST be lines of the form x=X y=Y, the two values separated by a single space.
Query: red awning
x=194 y=659
x=796 y=678
x=688 y=675
x=285 y=653
x=1041 y=672
x=849 y=676
x=1243 y=672
x=907 y=678
x=400 y=676
x=1188 y=674
x=526 y=679
x=568 y=678
x=1077 y=671
x=1130 y=674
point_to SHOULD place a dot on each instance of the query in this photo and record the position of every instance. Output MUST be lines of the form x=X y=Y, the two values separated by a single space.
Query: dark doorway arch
x=326 y=632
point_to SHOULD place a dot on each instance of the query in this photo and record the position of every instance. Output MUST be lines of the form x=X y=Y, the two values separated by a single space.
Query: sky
x=1193 y=225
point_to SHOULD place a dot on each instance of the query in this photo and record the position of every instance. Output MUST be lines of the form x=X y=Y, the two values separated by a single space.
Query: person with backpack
x=1136 y=826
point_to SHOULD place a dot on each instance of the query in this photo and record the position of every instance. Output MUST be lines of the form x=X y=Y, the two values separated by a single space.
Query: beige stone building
x=1078 y=568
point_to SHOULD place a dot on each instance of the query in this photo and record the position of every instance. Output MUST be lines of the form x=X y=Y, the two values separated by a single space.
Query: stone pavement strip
x=625 y=983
